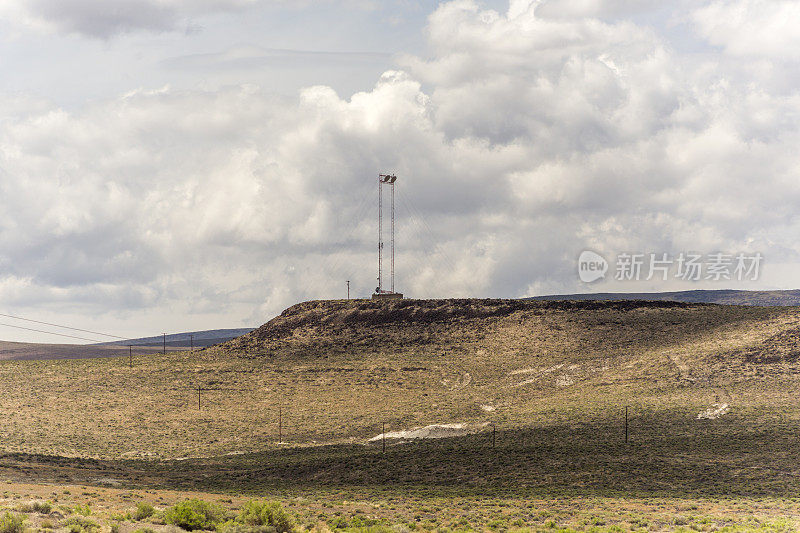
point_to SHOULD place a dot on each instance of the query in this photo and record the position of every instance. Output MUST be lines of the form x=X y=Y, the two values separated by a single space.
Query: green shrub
x=261 y=513
x=35 y=507
x=46 y=524
x=82 y=510
x=12 y=523
x=496 y=524
x=79 y=524
x=232 y=526
x=143 y=510
x=194 y=514
x=42 y=507
x=144 y=530
x=375 y=529
x=363 y=523
x=115 y=528
x=338 y=522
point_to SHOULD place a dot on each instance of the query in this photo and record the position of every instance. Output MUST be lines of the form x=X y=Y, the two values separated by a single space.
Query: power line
x=49 y=332
x=64 y=327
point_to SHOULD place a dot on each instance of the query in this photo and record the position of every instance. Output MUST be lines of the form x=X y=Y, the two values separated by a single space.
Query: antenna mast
x=385 y=180
x=380 y=235
x=393 y=180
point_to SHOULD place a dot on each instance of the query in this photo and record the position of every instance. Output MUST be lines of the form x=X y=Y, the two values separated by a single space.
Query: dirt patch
x=434 y=431
x=564 y=381
x=714 y=412
x=460 y=382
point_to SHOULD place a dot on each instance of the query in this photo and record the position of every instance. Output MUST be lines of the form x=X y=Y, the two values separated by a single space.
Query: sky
x=177 y=165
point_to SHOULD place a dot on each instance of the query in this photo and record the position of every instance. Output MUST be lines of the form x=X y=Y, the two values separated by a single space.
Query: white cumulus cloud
x=106 y=18
x=520 y=140
x=765 y=28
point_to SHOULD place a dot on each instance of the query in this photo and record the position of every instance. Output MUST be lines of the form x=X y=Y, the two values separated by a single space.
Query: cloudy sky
x=173 y=165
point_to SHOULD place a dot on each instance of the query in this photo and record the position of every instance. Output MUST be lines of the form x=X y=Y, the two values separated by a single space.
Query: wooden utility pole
x=348 y=289
x=191 y=343
x=130 y=356
x=165 y=343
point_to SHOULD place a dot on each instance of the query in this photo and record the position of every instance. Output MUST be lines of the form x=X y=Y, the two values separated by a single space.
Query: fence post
x=626 y=423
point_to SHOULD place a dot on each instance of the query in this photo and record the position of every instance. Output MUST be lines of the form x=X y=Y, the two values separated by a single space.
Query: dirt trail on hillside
x=684 y=372
x=723 y=396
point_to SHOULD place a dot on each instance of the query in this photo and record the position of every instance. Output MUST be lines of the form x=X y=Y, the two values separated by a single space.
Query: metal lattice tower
x=393 y=180
x=388 y=180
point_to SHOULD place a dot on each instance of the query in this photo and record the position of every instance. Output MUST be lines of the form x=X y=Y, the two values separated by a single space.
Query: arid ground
x=541 y=388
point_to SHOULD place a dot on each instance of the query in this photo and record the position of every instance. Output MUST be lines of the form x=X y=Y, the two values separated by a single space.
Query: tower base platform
x=388 y=296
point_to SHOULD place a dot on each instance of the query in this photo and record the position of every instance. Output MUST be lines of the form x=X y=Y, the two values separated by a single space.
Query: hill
x=142 y=346
x=722 y=296
x=499 y=332
x=532 y=396
x=339 y=370
x=183 y=340
x=21 y=351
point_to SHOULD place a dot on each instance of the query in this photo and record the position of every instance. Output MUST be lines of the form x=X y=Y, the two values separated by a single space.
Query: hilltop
x=500 y=333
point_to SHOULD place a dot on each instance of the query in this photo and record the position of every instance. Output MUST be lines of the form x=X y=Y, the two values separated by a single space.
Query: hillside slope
x=337 y=371
x=500 y=334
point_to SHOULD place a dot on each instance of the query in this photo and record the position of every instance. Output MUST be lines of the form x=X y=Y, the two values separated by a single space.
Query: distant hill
x=18 y=351
x=201 y=338
x=143 y=346
x=723 y=297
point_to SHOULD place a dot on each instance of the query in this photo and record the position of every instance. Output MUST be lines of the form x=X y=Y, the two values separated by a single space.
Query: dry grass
x=324 y=510
x=556 y=375
x=536 y=364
